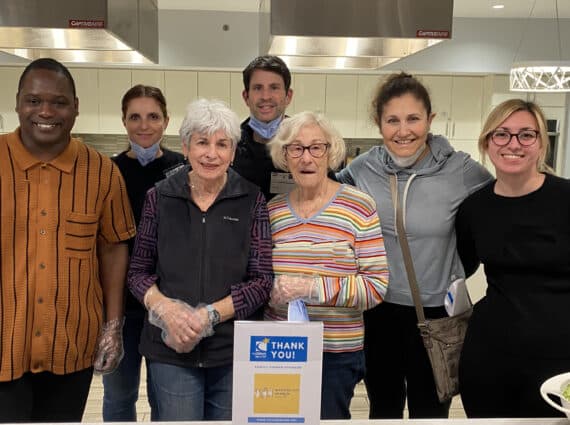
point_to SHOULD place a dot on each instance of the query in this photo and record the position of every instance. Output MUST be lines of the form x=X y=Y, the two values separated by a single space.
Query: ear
x=185 y=147
x=245 y=96
x=76 y=106
x=166 y=121
x=289 y=96
x=431 y=117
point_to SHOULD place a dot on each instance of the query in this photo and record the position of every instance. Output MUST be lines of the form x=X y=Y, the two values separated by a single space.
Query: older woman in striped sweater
x=328 y=253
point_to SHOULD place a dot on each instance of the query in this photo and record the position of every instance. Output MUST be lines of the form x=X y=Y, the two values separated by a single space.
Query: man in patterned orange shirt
x=64 y=214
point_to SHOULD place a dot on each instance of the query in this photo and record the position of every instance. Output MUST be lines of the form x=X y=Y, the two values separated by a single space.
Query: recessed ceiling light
x=498 y=6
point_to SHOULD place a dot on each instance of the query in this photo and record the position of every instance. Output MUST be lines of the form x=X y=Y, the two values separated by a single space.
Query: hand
x=287 y=288
x=109 y=347
x=182 y=327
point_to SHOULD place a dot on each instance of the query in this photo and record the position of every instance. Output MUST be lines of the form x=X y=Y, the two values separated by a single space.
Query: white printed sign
x=277 y=372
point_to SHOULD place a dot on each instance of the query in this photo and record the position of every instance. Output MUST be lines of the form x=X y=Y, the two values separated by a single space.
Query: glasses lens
x=318 y=150
x=501 y=137
x=527 y=137
x=294 y=151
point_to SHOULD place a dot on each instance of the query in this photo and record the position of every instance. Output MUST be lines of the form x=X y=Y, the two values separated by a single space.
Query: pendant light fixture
x=543 y=76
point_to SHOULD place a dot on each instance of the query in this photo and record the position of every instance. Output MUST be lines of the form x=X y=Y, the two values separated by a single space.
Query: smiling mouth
x=44 y=126
x=404 y=142
x=511 y=156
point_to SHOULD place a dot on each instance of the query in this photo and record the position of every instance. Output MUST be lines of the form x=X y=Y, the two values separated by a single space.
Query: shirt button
x=42 y=266
x=43 y=212
x=38 y=333
x=40 y=300
x=43 y=232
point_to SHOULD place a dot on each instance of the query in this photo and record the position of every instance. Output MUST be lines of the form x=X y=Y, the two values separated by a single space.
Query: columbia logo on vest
x=226 y=217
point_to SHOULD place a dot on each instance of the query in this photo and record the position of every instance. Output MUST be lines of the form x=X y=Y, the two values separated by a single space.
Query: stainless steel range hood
x=360 y=34
x=93 y=31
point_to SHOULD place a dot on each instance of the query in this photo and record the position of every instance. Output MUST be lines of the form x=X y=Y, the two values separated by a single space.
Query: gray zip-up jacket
x=430 y=192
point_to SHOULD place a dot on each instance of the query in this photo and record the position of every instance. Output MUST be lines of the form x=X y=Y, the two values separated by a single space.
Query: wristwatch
x=213 y=315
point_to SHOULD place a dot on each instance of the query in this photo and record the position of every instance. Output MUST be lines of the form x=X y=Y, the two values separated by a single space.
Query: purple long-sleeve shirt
x=247 y=296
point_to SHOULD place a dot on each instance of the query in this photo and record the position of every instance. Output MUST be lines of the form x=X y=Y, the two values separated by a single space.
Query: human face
x=144 y=121
x=46 y=110
x=404 y=125
x=267 y=98
x=513 y=158
x=308 y=171
x=209 y=155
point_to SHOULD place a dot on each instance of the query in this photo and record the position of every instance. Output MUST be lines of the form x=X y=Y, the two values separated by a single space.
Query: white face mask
x=406 y=161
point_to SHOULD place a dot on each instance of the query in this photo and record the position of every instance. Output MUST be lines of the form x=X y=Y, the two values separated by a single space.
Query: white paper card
x=277 y=372
x=281 y=183
x=457 y=299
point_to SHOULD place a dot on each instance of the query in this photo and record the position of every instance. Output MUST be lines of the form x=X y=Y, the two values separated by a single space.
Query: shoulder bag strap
x=403 y=239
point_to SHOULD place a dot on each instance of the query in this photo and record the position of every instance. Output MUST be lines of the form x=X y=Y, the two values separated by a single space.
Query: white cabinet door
x=340 y=102
x=148 y=78
x=9 y=87
x=439 y=89
x=308 y=93
x=466 y=108
x=236 y=98
x=180 y=88
x=87 y=88
x=548 y=99
x=113 y=83
x=367 y=87
x=214 y=85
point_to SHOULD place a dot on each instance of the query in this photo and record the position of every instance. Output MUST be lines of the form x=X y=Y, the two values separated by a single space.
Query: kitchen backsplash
x=113 y=144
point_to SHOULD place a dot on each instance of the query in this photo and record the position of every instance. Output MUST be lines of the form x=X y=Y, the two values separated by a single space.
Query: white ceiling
x=462 y=8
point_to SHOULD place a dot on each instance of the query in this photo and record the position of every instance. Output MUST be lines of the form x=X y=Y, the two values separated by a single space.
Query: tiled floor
x=359 y=407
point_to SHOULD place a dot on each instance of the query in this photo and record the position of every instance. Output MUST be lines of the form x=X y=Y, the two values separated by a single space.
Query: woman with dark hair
x=518 y=226
x=146 y=162
x=432 y=180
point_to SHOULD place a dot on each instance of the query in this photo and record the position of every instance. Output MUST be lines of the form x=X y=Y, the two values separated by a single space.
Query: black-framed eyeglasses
x=317 y=150
x=503 y=137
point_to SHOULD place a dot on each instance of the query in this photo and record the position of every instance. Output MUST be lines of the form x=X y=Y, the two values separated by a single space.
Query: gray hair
x=205 y=116
x=289 y=129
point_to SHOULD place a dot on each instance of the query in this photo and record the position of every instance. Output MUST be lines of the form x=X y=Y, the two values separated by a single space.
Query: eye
x=527 y=135
x=154 y=117
x=133 y=117
x=500 y=134
x=392 y=121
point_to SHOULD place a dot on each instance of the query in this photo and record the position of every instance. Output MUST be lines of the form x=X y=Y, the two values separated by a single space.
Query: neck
x=314 y=193
x=512 y=185
x=204 y=188
x=45 y=154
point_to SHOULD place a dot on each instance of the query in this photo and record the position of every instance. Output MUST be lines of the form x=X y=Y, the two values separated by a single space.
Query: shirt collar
x=65 y=161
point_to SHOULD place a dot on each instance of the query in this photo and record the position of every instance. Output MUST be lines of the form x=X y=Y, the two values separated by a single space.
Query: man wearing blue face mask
x=267 y=93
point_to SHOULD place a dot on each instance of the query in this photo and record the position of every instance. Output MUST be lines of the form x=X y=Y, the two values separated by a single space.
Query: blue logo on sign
x=278 y=349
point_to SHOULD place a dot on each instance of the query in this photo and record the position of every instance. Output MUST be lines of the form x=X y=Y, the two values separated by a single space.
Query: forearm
x=113 y=259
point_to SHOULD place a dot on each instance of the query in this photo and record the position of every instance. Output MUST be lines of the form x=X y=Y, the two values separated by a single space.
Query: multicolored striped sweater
x=342 y=246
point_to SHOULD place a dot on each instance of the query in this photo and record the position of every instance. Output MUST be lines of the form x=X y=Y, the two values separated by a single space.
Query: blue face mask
x=265 y=129
x=145 y=155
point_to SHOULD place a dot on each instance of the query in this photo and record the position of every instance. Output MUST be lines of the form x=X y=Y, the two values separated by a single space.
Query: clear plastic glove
x=182 y=325
x=288 y=287
x=109 y=347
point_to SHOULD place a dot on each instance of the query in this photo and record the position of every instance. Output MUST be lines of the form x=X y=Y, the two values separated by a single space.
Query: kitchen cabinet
x=439 y=89
x=340 y=102
x=148 y=78
x=9 y=87
x=214 y=85
x=367 y=86
x=236 y=98
x=308 y=93
x=180 y=88
x=113 y=83
x=87 y=89
x=466 y=108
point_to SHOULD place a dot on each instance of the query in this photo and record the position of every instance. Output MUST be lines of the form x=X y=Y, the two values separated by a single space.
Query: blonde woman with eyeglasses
x=518 y=226
x=328 y=253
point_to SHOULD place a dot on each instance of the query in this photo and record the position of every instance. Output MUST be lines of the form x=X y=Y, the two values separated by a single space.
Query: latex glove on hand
x=287 y=288
x=109 y=347
x=182 y=327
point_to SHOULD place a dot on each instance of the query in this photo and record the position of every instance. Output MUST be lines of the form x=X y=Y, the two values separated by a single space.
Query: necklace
x=203 y=192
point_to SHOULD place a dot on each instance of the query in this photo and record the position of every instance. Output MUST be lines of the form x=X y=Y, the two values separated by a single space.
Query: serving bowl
x=555 y=386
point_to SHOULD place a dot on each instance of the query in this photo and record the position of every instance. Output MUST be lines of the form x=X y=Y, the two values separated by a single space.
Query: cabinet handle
x=447 y=128
x=453 y=130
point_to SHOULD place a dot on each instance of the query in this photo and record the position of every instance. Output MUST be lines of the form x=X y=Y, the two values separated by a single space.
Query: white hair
x=205 y=116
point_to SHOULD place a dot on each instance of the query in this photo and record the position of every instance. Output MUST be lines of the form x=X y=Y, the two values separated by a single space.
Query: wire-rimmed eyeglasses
x=503 y=137
x=317 y=150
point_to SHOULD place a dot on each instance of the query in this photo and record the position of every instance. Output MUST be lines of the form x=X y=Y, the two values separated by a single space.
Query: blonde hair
x=503 y=111
x=289 y=129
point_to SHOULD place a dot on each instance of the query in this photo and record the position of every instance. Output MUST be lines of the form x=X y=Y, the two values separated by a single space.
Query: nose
x=265 y=93
x=45 y=109
x=144 y=123
x=403 y=129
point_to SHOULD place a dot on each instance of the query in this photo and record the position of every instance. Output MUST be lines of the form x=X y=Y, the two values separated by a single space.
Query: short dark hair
x=398 y=85
x=267 y=63
x=144 y=91
x=50 y=65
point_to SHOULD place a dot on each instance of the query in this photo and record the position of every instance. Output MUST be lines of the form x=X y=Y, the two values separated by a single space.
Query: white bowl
x=555 y=386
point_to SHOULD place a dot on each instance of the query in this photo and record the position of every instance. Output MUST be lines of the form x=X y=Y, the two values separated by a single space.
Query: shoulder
x=172 y=156
x=558 y=184
x=278 y=201
x=479 y=196
x=357 y=201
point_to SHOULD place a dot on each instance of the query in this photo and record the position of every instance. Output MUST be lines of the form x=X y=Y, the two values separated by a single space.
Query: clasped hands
x=183 y=326
x=288 y=287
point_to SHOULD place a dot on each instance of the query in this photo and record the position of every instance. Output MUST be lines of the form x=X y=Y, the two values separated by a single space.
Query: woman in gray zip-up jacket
x=432 y=181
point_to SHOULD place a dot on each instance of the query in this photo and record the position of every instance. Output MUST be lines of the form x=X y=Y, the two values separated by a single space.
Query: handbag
x=442 y=338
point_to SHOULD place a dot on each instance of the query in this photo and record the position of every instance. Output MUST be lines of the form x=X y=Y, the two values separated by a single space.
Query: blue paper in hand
x=297 y=312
